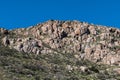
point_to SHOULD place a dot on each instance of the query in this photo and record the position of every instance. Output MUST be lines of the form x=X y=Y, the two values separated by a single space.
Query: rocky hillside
x=93 y=42
x=69 y=41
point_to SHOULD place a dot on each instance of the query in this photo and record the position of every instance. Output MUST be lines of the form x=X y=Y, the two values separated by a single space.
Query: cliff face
x=95 y=43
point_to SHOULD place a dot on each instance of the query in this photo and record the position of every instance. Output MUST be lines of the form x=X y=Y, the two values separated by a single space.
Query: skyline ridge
x=27 y=26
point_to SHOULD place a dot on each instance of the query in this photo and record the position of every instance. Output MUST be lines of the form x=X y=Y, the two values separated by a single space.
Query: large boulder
x=92 y=29
x=6 y=41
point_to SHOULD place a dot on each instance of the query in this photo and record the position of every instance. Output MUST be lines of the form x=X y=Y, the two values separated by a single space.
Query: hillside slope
x=60 y=50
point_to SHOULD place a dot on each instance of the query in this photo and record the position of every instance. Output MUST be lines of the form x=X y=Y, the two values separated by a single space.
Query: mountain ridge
x=57 y=32
x=71 y=41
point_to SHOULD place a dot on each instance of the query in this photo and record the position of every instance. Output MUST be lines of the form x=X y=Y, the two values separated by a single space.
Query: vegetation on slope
x=23 y=66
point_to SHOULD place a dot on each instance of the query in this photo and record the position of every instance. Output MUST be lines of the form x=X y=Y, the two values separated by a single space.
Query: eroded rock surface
x=96 y=43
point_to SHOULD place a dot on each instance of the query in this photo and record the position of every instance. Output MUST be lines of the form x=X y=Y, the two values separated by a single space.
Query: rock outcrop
x=96 y=43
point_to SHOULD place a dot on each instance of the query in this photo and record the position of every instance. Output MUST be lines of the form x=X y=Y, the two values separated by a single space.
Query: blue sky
x=24 y=13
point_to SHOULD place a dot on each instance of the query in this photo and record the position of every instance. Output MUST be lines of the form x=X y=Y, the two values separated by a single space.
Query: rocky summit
x=78 y=41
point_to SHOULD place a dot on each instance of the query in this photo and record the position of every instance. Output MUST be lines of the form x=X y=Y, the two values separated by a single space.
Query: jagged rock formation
x=96 y=43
